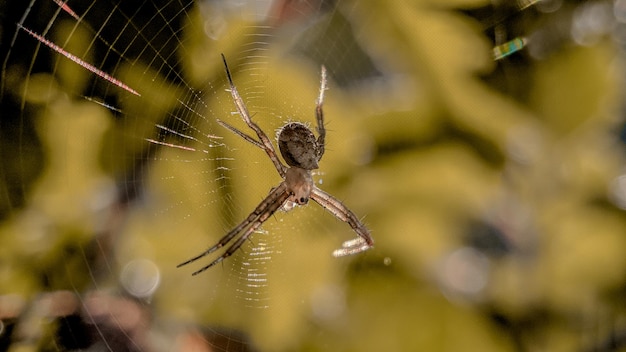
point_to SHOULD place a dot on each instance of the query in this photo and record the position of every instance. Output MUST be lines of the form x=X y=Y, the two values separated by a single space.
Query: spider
x=302 y=152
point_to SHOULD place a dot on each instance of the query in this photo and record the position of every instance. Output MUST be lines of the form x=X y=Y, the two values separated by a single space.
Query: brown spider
x=301 y=152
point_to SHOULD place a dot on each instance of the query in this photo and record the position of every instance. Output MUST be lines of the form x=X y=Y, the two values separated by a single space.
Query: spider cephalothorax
x=302 y=152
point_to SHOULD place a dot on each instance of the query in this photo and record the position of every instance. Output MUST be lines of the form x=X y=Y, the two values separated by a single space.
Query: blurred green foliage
x=422 y=158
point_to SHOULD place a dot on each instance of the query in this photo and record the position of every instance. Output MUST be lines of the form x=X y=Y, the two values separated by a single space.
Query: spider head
x=298 y=146
x=300 y=183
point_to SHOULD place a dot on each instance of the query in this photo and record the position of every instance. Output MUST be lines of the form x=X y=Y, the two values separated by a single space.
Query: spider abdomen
x=298 y=146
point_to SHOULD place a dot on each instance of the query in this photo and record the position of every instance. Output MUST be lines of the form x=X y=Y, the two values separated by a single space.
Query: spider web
x=113 y=109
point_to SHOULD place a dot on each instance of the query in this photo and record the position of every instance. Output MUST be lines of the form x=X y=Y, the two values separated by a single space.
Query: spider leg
x=243 y=112
x=353 y=246
x=274 y=200
x=241 y=134
x=319 y=113
x=259 y=219
x=340 y=211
